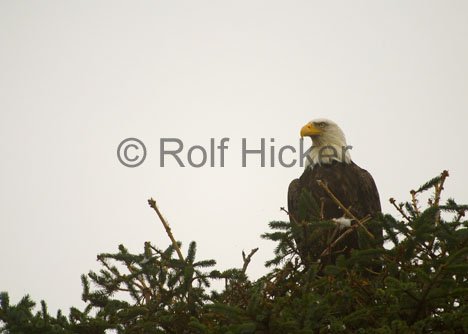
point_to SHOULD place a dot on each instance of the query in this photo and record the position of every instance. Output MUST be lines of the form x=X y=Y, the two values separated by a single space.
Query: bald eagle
x=329 y=160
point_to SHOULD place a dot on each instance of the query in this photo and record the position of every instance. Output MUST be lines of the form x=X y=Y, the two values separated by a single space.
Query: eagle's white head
x=328 y=143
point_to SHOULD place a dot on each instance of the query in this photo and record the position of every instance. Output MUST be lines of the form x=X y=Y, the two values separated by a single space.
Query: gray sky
x=78 y=77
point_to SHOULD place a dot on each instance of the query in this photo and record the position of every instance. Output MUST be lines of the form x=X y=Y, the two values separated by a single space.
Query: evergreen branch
x=432 y=182
x=152 y=204
x=439 y=186
x=452 y=206
x=279 y=225
x=142 y=286
x=414 y=202
x=425 y=292
x=428 y=286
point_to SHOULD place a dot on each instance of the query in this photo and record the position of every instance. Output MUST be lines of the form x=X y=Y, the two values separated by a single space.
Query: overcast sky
x=78 y=77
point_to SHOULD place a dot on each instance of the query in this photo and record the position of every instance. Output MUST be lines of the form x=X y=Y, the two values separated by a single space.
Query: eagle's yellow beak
x=310 y=130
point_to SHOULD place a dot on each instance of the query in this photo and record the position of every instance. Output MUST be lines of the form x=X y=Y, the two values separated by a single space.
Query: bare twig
x=399 y=208
x=247 y=259
x=290 y=215
x=322 y=207
x=346 y=210
x=460 y=214
x=341 y=237
x=152 y=204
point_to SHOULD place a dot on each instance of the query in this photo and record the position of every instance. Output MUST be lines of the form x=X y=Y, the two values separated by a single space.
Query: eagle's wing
x=293 y=199
x=370 y=203
x=368 y=192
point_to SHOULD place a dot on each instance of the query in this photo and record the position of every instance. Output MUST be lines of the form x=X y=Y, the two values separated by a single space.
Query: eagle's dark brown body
x=352 y=185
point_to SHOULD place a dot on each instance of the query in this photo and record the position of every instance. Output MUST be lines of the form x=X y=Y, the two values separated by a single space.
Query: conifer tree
x=417 y=283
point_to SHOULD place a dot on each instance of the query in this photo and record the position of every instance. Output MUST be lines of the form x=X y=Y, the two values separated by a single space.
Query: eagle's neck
x=329 y=148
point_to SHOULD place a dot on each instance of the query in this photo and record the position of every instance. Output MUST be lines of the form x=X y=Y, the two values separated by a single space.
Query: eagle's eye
x=322 y=124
